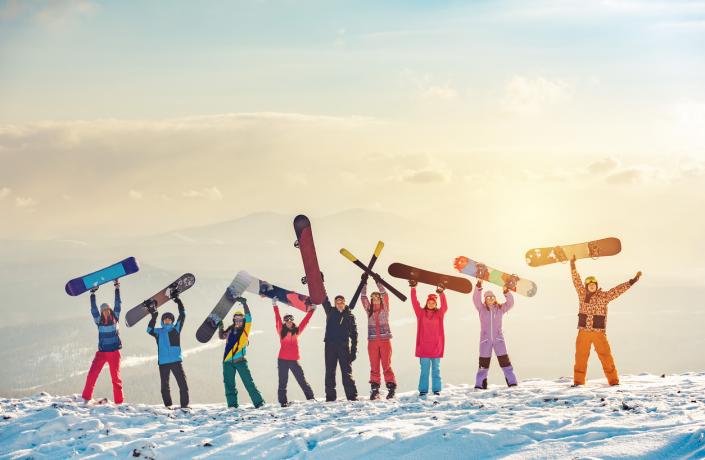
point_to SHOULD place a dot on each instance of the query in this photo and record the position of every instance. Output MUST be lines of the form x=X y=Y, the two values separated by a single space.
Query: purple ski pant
x=500 y=350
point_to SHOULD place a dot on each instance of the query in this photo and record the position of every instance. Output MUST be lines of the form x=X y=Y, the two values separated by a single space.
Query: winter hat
x=339 y=297
x=168 y=315
x=104 y=306
x=238 y=313
x=433 y=297
x=489 y=293
x=590 y=279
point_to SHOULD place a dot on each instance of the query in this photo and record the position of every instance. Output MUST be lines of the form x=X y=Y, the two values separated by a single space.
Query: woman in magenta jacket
x=430 y=338
x=288 y=359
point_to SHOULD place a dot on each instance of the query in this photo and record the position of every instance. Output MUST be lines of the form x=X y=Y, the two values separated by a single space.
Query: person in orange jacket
x=592 y=324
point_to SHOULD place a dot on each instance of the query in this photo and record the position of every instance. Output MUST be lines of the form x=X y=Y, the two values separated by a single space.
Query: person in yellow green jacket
x=234 y=361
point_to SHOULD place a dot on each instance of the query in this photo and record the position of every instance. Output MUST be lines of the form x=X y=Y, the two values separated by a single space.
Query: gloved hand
x=364 y=276
x=93 y=290
x=376 y=277
x=440 y=289
x=413 y=283
x=116 y=283
x=274 y=301
x=478 y=284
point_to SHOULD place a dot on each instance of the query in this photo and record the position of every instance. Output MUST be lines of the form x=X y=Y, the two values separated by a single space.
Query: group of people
x=341 y=342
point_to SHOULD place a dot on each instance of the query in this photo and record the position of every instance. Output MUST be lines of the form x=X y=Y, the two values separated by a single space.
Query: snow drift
x=647 y=416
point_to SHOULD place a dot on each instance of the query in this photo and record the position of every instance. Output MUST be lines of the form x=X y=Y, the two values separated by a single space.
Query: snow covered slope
x=647 y=416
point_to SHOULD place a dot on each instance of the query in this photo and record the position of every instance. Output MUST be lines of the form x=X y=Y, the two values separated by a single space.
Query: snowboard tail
x=407 y=272
x=235 y=289
x=78 y=286
x=136 y=314
x=594 y=249
x=492 y=275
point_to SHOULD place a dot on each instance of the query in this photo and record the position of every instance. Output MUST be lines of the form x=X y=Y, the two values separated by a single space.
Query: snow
x=647 y=416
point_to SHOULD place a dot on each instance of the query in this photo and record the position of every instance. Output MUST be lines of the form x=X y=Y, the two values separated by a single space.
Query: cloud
x=47 y=13
x=531 y=96
x=4 y=192
x=25 y=202
x=424 y=177
x=135 y=195
x=626 y=176
x=426 y=88
x=209 y=193
x=603 y=166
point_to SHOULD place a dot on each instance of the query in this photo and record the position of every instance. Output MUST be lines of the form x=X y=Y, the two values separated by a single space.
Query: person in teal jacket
x=168 y=339
x=234 y=361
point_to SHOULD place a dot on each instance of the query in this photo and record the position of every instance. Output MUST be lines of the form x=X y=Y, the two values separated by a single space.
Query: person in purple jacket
x=491 y=336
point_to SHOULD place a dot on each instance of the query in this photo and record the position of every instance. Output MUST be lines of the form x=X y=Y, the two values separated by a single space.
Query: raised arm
x=304 y=322
x=577 y=281
x=327 y=307
x=277 y=318
x=182 y=314
x=622 y=288
x=444 y=302
x=477 y=296
x=363 y=296
x=118 y=302
x=222 y=333
x=151 y=326
x=506 y=306
x=415 y=301
x=383 y=291
x=94 y=308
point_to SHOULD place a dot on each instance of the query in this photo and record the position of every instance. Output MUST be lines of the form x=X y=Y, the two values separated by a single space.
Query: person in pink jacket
x=288 y=359
x=430 y=338
x=491 y=336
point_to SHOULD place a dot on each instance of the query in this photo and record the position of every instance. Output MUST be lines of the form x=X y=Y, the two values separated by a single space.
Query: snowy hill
x=647 y=416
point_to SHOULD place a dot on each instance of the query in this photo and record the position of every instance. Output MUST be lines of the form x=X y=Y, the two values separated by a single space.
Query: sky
x=562 y=120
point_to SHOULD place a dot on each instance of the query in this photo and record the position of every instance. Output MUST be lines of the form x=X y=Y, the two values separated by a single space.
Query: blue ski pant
x=430 y=366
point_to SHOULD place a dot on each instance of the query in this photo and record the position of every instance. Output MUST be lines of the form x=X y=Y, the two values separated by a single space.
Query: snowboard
x=407 y=272
x=291 y=298
x=235 y=289
x=373 y=260
x=135 y=314
x=483 y=272
x=314 y=277
x=85 y=283
x=348 y=255
x=598 y=248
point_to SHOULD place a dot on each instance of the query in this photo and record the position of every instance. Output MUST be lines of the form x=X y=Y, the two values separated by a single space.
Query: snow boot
x=437 y=393
x=374 y=392
x=391 y=390
x=422 y=394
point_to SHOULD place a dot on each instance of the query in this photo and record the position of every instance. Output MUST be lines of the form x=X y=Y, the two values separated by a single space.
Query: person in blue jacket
x=168 y=339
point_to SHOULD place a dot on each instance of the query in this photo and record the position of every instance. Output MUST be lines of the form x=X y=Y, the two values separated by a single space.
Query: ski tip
x=378 y=249
x=348 y=255
x=301 y=219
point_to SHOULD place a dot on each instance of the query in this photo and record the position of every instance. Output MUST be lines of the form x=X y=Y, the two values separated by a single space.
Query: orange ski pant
x=583 y=343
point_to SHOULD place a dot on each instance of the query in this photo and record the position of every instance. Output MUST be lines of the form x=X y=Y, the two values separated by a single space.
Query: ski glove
x=413 y=283
x=116 y=283
x=440 y=289
x=478 y=284
x=93 y=290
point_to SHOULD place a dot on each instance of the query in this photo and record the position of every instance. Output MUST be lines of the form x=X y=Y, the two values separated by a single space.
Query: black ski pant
x=178 y=370
x=286 y=365
x=339 y=353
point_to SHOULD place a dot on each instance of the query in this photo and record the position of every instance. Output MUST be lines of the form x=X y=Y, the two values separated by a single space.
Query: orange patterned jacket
x=592 y=315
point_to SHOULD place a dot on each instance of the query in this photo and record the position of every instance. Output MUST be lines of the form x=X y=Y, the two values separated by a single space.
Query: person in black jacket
x=341 y=347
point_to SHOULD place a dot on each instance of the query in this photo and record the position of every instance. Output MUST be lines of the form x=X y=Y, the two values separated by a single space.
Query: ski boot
x=374 y=392
x=391 y=390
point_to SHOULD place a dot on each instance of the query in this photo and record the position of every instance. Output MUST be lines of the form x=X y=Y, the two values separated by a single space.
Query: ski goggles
x=288 y=318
